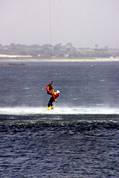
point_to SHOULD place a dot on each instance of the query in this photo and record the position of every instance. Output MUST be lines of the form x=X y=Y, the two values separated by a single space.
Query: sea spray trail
x=57 y=111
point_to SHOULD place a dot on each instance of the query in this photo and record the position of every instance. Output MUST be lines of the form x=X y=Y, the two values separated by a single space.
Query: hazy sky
x=84 y=23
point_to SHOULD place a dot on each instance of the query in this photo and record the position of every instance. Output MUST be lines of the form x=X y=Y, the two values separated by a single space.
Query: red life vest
x=49 y=89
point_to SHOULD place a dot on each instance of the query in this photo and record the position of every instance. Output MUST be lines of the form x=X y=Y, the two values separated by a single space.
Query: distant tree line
x=58 y=51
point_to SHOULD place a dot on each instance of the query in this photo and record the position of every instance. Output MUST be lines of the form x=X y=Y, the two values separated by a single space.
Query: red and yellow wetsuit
x=54 y=95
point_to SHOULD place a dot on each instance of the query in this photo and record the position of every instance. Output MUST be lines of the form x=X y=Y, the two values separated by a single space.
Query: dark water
x=59 y=152
x=59 y=149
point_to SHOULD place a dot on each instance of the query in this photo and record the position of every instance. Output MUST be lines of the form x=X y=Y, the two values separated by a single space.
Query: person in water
x=54 y=94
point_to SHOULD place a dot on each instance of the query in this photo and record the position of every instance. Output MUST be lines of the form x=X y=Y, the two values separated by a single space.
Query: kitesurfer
x=54 y=94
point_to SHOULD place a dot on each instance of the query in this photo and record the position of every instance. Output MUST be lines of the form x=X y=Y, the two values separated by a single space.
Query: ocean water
x=78 y=139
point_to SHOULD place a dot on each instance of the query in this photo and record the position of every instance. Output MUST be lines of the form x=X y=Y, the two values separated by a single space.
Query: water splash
x=57 y=110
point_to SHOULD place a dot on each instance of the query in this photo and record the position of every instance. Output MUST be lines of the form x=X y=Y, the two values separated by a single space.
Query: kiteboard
x=50 y=108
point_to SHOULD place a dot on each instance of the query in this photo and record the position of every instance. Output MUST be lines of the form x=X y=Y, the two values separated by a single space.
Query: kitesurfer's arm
x=55 y=95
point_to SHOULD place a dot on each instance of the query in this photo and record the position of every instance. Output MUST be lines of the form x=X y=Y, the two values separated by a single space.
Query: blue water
x=70 y=146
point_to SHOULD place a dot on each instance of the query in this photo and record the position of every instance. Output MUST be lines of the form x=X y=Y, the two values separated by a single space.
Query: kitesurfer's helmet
x=58 y=91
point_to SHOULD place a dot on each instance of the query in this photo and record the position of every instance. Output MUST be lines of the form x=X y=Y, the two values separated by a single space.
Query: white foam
x=57 y=110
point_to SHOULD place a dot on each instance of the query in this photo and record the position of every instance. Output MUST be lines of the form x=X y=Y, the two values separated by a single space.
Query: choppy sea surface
x=78 y=139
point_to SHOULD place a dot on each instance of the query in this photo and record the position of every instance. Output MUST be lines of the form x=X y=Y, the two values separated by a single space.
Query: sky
x=84 y=23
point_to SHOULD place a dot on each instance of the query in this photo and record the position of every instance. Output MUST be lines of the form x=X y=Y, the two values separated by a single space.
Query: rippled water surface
x=81 y=84
x=61 y=151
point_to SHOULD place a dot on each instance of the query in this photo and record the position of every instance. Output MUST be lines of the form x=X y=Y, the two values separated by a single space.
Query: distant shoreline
x=58 y=60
